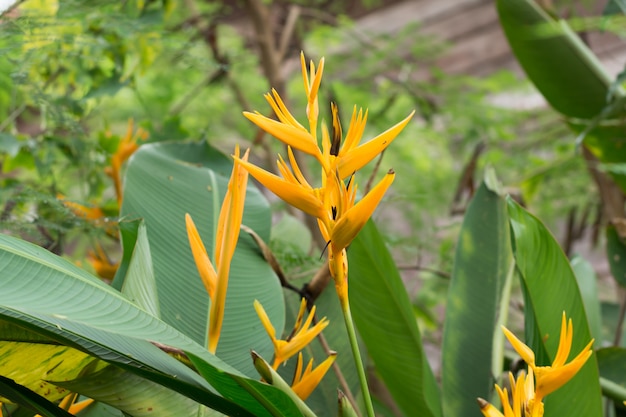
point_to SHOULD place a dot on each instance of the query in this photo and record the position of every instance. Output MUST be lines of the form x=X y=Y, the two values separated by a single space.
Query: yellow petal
x=565 y=342
x=265 y=320
x=203 y=263
x=231 y=213
x=228 y=226
x=549 y=379
x=311 y=379
x=295 y=137
x=296 y=169
x=355 y=131
x=80 y=406
x=300 y=340
x=524 y=351
x=298 y=323
x=294 y=194
x=358 y=157
x=297 y=373
x=504 y=399
x=353 y=220
x=283 y=114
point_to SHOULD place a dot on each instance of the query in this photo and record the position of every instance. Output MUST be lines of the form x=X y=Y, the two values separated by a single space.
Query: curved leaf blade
x=131 y=393
x=139 y=284
x=21 y=395
x=561 y=66
x=45 y=360
x=482 y=261
x=551 y=289
x=384 y=318
x=54 y=299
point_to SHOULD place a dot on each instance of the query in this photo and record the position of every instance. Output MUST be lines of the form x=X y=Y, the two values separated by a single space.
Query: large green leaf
x=49 y=298
x=384 y=318
x=612 y=364
x=560 y=65
x=131 y=393
x=551 y=289
x=277 y=402
x=44 y=359
x=139 y=284
x=482 y=262
x=163 y=182
x=569 y=76
x=21 y=395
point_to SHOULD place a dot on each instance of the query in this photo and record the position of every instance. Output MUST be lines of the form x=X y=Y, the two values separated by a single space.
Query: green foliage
x=385 y=320
x=73 y=74
x=482 y=264
x=551 y=289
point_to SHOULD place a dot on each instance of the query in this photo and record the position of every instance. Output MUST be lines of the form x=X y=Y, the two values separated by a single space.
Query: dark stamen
x=337 y=134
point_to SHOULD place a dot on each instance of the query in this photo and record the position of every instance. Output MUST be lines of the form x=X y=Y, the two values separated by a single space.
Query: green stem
x=347 y=316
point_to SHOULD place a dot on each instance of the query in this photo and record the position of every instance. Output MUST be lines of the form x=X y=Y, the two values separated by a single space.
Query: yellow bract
x=340 y=218
x=215 y=280
x=529 y=390
x=550 y=378
x=301 y=335
x=126 y=147
x=305 y=382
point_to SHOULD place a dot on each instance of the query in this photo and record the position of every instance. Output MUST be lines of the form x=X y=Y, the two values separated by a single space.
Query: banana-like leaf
x=163 y=182
x=139 y=284
x=21 y=395
x=561 y=66
x=131 y=393
x=384 y=318
x=607 y=142
x=551 y=289
x=276 y=402
x=46 y=362
x=45 y=297
x=612 y=364
x=569 y=76
x=482 y=262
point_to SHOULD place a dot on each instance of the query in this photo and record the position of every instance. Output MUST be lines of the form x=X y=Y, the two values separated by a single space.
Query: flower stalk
x=354 y=345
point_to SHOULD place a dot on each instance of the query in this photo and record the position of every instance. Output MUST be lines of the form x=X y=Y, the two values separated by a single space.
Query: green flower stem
x=356 y=354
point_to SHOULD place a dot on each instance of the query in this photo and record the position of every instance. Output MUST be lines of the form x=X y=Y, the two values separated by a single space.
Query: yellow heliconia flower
x=301 y=335
x=215 y=279
x=305 y=382
x=93 y=213
x=340 y=217
x=101 y=263
x=550 y=378
x=529 y=390
x=68 y=403
x=127 y=146
x=346 y=158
